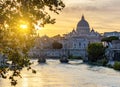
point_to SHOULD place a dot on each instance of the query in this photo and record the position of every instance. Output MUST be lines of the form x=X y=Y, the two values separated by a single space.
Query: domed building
x=83 y=31
x=83 y=26
x=77 y=40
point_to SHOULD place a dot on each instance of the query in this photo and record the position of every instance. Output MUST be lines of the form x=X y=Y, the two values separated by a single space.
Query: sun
x=23 y=26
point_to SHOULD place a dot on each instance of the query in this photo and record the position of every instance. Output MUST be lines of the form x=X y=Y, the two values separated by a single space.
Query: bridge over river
x=75 y=74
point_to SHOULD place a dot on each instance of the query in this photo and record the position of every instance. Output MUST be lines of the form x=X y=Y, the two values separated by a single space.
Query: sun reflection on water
x=25 y=82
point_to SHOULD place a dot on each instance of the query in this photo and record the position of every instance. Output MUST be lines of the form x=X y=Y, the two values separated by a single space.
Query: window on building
x=84 y=45
x=74 y=45
x=80 y=45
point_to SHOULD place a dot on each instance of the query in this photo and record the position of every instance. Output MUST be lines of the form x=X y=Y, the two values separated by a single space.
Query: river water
x=75 y=74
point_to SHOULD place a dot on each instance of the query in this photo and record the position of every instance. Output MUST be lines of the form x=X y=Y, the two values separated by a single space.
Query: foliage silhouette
x=96 y=52
x=16 y=42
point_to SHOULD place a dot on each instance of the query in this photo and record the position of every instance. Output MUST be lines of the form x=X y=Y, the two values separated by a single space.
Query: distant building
x=109 y=34
x=74 y=43
x=77 y=40
x=113 y=50
x=83 y=31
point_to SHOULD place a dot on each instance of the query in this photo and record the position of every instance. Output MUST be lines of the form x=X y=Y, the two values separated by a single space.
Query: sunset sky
x=102 y=15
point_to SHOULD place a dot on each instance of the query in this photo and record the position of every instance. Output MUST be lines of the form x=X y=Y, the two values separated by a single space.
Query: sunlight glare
x=37 y=27
x=23 y=26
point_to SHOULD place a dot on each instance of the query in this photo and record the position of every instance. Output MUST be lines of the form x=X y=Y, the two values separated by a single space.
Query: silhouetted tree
x=109 y=39
x=56 y=45
x=95 y=51
x=16 y=42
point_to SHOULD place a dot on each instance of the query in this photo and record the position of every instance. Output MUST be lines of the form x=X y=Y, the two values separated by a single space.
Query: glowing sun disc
x=23 y=26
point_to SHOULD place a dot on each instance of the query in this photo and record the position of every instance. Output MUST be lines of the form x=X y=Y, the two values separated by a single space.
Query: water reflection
x=75 y=74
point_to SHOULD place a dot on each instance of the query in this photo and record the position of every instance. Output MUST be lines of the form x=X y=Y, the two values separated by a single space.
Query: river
x=75 y=74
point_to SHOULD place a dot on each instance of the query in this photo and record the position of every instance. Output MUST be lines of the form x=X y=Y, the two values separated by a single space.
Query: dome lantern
x=83 y=26
x=83 y=17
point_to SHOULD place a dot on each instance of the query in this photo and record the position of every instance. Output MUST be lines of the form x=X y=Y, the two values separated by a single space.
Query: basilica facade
x=83 y=31
x=77 y=40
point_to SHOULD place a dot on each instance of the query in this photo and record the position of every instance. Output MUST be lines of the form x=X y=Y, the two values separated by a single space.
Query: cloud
x=93 y=5
x=84 y=8
x=102 y=15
